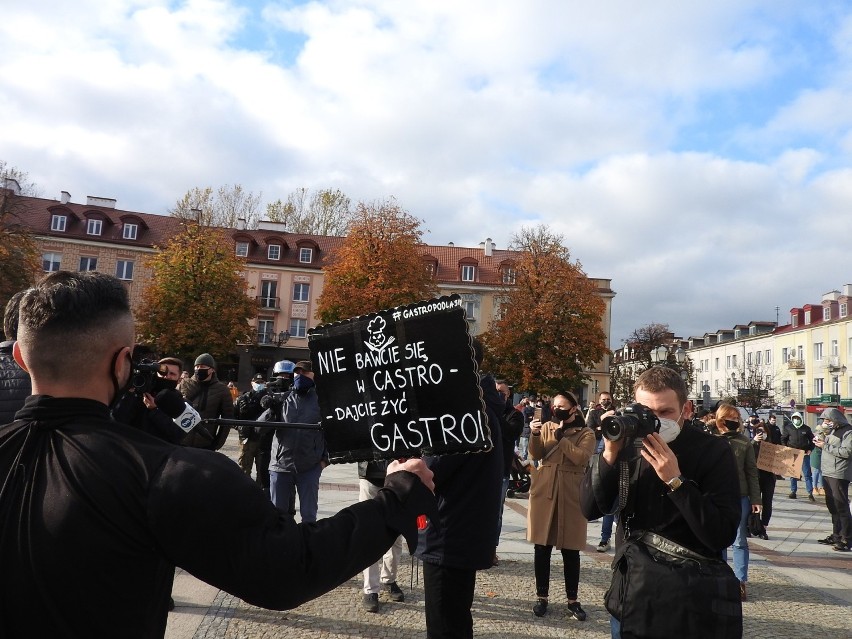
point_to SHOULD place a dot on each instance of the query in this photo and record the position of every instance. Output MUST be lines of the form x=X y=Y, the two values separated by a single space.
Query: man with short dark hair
x=684 y=488
x=94 y=514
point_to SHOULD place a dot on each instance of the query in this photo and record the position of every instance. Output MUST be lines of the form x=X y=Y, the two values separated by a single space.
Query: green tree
x=325 y=212
x=198 y=300
x=549 y=329
x=224 y=207
x=19 y=257
x=378 y=266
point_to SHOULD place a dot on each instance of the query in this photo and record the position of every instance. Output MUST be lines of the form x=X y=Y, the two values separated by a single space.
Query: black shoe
x=765 y=537
x=828 y=541
x=394 y=592
x=576 y=612
x=171 y=604
x=792 y=495
x=371 y=602
x=540 y=607
x=841 y=546
x=811 y=497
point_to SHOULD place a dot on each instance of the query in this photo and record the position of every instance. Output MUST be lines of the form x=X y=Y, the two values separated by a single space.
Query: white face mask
x=669 y=428
x=258 y=387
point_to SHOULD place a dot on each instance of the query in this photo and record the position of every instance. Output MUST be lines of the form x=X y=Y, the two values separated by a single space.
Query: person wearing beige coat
x=563 y=446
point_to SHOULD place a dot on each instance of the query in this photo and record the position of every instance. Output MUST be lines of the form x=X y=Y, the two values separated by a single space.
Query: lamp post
x=672 y=356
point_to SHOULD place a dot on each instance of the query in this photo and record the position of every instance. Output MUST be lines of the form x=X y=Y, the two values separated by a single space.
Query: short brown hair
x=660 y=378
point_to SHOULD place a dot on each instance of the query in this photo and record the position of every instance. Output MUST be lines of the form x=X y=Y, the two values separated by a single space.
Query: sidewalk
x=797 y=587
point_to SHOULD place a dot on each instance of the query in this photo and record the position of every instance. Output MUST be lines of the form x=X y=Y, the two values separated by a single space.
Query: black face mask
x=561 y=413
x=201 y=374
x=161 y=383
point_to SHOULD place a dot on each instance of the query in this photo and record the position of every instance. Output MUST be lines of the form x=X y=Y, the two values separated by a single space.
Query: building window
x=835 y=348
x=818 y=388
x=734 y=361
x=124 y=269
x=801 y=356
x=269 y=294
x=130 y=231
x=716 y=363
x=728 y=361
x=298 y=327
x=748 y=359
x=508 y=276
x=468 y=273
x=50 y=262
x=274 y=252
x=818 y=351
x=265 y=331
x=786 y=387
x=430 y=268
x=807 y=317
x=758 y=358
x=801 y=390
x=835 y=385
x=301 y=292
x=826 y=312
x=470 y=311
x=88 y=264
x=93 y=227
x=242 y=249
x=737 y=333
x=306 y=255
x=785 y=355
x=768 y=359
x=844 y=309
x=58 y=222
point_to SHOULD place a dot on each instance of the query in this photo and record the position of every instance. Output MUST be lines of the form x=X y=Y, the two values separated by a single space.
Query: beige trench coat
x=554 y=517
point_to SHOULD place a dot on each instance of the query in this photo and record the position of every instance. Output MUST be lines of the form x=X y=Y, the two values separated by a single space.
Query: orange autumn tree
x=20 y=260
x=378 y=266
x=549 y=329
x=197 y=301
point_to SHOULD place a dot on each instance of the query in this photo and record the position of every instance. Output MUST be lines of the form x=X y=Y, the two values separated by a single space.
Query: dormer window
x=508 y=275
x=737 y=333
x=274 y=252
x=807 y=317
x=468 y=273
x=826 y=313
x=243 y=248
x=58 y=223
x=130 y=231
x=306 y=255
x=93 y=226
x=843 y=309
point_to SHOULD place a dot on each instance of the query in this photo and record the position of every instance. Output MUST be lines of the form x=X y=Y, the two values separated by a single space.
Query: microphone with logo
x=172 y=404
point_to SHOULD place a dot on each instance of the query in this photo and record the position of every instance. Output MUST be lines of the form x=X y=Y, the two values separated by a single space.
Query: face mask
x=302 y=383
x=258 y=387
x=669 y=428
x=606 y=403
x=797 y=423
x=561 y=413
x=201 y=374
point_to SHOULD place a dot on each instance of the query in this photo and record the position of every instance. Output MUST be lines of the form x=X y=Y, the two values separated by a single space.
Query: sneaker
x=371 y=602
x=792 y=495
x=575 y=612
x=604 y=546
x=828 y=541
x=841 y=546
x=811 y=497
x=394 y=592
x=540 y=607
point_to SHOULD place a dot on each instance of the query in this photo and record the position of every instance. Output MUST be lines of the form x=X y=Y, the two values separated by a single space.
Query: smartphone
x=537 y=414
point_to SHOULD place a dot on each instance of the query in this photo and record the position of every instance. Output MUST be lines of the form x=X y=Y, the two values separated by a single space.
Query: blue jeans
x=817 y=475
x=307 y=485
x=500 y=514
x=740 y=545
x=606 y=522
x=523 y=447
x=806 y=475
x=614 y=628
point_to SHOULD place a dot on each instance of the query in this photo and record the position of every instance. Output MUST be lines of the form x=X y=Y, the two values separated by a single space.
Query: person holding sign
x=95 y=514
x=563 y=446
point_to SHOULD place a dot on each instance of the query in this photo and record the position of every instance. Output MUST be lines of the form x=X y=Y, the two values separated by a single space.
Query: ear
x=688 y=410
x=16 y=353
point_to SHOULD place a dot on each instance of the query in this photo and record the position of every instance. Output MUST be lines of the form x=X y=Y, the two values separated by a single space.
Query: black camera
x=632 y=425
x=144 y=378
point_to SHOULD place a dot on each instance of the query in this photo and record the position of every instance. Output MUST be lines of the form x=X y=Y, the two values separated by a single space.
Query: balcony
x=797 y=365
x=833 y=363
x=269 y=303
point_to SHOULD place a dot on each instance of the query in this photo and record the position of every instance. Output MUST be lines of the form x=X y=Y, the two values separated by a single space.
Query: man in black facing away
x=94 y=514
x=683 y=487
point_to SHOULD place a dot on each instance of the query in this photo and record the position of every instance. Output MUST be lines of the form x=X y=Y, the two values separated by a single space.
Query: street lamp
x=271 y=338
x=663 y=354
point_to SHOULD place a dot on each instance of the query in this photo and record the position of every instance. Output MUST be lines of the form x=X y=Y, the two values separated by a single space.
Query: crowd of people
x=93 y=443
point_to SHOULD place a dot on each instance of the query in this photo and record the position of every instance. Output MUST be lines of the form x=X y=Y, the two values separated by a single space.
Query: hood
x=834 y=415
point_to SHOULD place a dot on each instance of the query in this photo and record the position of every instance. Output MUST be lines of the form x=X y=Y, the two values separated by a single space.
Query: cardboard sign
x=399 y=383
x=780 y=460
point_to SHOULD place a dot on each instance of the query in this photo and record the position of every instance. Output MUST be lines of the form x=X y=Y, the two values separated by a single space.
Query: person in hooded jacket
x=799 y=435
x=298 y=455
x=211 y=398
x=836 y=474
x=15 y=384
x=462 y=540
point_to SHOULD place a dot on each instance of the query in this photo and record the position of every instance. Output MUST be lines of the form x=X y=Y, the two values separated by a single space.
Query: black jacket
x=468 y=489
x=510 y=427
x=15 y=384
x=99 y=514
x=702 y=515
x=801 y=438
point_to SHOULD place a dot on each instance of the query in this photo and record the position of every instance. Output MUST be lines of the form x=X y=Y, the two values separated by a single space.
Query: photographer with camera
x=677 y=497
x=249 y=406
x=95 y=514
x=152 y=402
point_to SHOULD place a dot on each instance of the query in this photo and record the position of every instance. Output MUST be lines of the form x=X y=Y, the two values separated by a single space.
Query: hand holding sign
x=416 y=466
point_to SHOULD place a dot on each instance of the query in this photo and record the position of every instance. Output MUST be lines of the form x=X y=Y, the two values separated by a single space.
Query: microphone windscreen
x=170 y=402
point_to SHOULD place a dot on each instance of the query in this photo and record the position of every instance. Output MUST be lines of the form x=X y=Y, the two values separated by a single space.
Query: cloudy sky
x=697 y=153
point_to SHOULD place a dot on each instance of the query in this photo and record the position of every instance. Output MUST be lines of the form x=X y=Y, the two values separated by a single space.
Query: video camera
x=632 y=426
x=144 y=378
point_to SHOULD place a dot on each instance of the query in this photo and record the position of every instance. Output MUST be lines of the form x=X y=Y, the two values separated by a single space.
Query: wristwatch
x=675 y=482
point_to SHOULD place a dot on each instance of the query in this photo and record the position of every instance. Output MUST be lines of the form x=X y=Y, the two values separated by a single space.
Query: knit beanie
x=205 y=359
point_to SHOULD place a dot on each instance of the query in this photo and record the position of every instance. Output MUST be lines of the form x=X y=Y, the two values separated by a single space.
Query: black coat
x=15 y=385
x=468 y=488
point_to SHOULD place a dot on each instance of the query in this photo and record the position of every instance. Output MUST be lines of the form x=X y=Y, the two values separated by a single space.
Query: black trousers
x=766 y=481
x=837 y=501
x=449 y=597
x=571 y=569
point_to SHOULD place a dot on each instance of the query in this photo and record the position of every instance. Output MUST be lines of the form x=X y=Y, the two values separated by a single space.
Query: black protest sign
x=399 y=383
